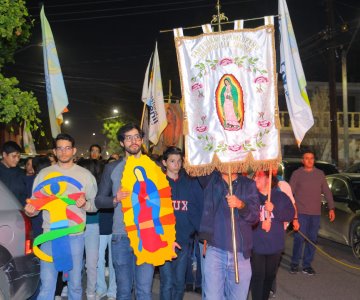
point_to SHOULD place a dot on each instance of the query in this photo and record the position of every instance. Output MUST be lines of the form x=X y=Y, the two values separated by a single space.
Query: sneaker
x=294 y=269
x=308 y=271
x=64 y=292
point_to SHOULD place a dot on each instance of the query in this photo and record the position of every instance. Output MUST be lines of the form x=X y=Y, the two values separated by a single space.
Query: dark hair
x=10 y=147
x=126 y=128
x=95 y=167
x=172 y=150
x=50 y=154
x=95 y=145
x=111 y=159
x=40 y=162
x=66 y=137
x=307 y=151
x=274 y=179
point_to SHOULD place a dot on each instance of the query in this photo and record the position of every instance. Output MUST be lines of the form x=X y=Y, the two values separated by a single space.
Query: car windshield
x=356 y=189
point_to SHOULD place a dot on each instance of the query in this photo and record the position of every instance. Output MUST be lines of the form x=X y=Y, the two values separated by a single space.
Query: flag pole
x=170 y=94
x=233 y=230
x=142 y=116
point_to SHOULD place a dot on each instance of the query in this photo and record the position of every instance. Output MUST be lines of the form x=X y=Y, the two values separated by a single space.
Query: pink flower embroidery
x=225 y=61
x=264 y=123
x=196 y=86
x=235 y=148
x=261 y=79
x=201 y=128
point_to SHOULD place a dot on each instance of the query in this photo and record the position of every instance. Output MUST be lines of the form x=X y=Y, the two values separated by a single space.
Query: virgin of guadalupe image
x=146 y=205
x=229 y=103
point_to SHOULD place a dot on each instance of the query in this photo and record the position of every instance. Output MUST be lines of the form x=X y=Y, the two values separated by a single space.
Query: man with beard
x=110 y=195
x=58 y=184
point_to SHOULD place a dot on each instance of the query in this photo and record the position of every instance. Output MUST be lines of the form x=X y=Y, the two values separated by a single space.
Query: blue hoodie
x=187 y=197
x=273 y=241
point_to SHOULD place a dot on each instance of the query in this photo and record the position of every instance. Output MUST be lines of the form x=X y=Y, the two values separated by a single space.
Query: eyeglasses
x=135 y=137
x=62 y=149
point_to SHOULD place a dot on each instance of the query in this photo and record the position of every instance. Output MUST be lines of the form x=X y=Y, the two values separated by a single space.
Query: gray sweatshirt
x=88 y=186
x=307 y=187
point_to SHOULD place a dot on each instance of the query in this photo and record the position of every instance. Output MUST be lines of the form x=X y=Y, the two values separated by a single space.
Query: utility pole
x=332 y=84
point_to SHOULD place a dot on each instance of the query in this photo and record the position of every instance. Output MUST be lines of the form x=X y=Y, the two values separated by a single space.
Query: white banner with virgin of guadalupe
x=229 y=87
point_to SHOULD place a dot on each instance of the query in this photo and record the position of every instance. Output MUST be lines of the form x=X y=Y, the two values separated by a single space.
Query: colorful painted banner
x=148 y=211
x=293 y=76
x=173 y=132
x=229 y=87
x=50 y=195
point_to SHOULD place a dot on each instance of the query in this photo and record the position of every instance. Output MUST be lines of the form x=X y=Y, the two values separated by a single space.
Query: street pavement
x=332 y=280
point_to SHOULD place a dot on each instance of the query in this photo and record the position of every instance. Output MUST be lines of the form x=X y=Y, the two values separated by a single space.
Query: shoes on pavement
x=294 y=269
x=198 y=290
x=272 y=295
x=189 y=288
x=308 y=271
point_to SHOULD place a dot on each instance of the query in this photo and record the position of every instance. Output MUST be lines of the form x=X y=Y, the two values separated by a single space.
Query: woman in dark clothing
x=268 y=235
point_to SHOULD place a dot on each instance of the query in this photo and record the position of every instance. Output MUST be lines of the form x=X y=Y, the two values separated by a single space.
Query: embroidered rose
x=196 y=86
x=225 y=61
x=201 y=128
x=235 y=148
x=264 y=123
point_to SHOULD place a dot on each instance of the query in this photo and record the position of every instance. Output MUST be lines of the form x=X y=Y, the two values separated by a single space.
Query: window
x=339 y=189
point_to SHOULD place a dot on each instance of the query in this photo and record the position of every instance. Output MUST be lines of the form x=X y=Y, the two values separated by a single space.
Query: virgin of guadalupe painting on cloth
x=148 y=211
x=229 y=87
x=51 y=195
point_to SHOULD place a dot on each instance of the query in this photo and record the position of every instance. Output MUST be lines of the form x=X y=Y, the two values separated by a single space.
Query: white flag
x=155 y=102
x=297 y=100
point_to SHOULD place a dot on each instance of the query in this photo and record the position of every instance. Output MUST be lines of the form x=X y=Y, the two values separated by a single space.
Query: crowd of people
x=263 y=206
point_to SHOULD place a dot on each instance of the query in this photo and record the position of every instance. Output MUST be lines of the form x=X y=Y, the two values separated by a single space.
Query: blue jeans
x=101 y=288
x=48 y=273
x=219 y=275
x=92 y=255
x=172 y=276
x=309 y=226
x=128 y=273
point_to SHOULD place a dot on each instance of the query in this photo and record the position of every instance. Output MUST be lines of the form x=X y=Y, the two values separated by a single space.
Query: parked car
x=19 y=268
x=355 y=168
x=345 y=229
x=289 y=165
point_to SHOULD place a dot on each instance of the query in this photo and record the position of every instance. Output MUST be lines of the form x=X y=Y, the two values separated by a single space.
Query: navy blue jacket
x=187 y=197
x=216 y=213
x=273 y=241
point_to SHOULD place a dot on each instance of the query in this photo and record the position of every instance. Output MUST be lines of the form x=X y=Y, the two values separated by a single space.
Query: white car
x=19 y=268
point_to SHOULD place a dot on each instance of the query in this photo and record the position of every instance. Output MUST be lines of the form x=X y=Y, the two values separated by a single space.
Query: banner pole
x=233 y=232
x=142 y=116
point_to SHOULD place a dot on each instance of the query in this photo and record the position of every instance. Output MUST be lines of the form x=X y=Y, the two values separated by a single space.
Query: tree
x=16 y=106
x=110 y=129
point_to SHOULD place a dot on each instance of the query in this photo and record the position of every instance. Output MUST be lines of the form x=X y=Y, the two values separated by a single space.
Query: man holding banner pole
x=215 y=229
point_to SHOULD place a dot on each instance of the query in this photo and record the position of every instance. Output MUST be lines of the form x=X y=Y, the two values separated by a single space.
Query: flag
x=55 y=88
x=292 y=73
x=28 y=141
x=155 y=101
x=145 y=117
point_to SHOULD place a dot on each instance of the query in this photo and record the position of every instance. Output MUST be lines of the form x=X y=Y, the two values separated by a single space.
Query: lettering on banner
x=154 y=117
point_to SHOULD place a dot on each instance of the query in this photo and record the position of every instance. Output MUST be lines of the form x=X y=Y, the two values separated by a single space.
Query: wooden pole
x=142 y=116
x=233 y=230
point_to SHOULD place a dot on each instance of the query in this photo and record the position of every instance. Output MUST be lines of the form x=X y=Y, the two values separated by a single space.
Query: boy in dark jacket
x=187 y=198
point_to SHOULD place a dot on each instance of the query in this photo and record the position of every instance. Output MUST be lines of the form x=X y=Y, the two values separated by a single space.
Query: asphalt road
x=332 y=280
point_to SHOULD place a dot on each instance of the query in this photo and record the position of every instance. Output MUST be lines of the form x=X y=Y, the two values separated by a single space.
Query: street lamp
x=115 y=111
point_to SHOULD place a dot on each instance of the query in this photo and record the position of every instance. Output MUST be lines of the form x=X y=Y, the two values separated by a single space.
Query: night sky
x=104 y=47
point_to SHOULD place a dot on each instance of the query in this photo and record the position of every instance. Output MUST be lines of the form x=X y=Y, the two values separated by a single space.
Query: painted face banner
x=229 y=86
x=148 y=211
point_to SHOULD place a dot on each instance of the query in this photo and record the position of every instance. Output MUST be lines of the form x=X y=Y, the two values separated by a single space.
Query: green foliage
x=110 y=129
x=15 y=27
x=17 y=106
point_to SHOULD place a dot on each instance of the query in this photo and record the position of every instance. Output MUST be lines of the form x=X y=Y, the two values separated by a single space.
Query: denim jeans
x=101 y=287
x=92 y=255
x=172 y=276
x=309 y=226
x=48 y=273
x=219 y=275
x=128 y=273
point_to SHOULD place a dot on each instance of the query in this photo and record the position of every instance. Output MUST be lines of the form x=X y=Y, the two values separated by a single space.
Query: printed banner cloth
x=229 y=85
